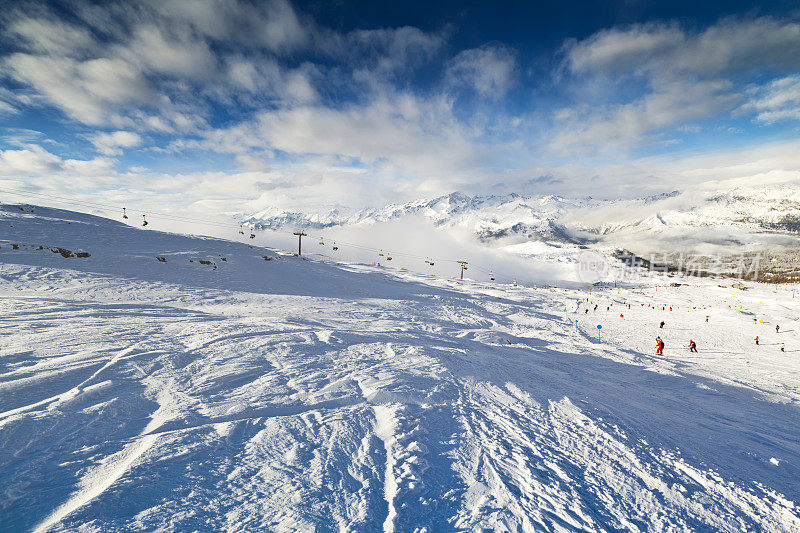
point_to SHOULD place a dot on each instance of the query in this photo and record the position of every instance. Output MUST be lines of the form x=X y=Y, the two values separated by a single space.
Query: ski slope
x=248 y=394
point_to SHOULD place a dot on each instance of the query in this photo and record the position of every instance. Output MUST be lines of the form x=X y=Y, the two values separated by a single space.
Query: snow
x=294 y=394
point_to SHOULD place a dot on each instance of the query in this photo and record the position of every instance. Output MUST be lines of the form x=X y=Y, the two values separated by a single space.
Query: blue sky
x=242 y=106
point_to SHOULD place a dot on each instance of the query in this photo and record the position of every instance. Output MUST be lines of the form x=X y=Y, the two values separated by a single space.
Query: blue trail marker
x=599 y=327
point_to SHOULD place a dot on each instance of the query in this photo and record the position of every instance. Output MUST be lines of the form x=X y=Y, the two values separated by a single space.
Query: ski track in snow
x=294 y=395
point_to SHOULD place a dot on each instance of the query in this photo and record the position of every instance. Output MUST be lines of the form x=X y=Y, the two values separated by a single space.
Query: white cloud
x=266 y=77
x=384 y=51
x=177 y=54
x=778 y=100
x=88 y=91
x=33 y=160
x=489 y=70
x=252 y=163
x=621 y=125
x=51 y=36
x=398 y=133
x=272 y=24
x=731 y=45
x=112 y=143
x=686 y=77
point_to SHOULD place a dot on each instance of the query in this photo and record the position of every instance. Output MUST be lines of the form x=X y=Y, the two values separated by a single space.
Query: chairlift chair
x=144 y=220
x=124 y=213
x=491 y=276
x=335 y=247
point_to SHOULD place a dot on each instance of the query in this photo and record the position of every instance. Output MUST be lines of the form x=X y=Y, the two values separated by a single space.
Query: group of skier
x=659 y=340
x=693 y=345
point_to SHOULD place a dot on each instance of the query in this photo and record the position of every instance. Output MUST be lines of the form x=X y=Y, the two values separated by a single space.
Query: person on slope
x=659 y=346
x=595 y=307
x=756 y=340
x=783 y=348
x=777 y=328
x=692 y=346
x=661 y=325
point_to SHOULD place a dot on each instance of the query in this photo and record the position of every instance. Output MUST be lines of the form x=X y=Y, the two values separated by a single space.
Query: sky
x=229 y=106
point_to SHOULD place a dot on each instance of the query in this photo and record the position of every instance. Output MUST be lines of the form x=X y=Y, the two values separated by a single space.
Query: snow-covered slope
x=285 y=394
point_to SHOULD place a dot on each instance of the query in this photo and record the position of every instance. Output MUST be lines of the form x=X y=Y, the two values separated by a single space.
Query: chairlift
x=241 y=230
x=321 y=241
x=144 y=220
x=252 y=235
x=491 y=276
x=335 y=247
x=388 y=257
x=515 y=283
x=124 y=213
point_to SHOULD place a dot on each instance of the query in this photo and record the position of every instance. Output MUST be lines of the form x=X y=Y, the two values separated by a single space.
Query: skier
x=756 y=340
x=661 y=325
x=595 y=307
x=692 y=346
x=659 y=346
x=777 y=328
x=706 y=318
x=782 y=348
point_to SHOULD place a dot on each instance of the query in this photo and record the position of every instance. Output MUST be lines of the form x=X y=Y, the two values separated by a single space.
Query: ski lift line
x=158 y=215
x=152 y=214
x=496 y=274
x=167 y=216
x=179 y=218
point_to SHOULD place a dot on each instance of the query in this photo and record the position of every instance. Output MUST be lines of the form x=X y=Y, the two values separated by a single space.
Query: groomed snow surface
x=250 y=394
